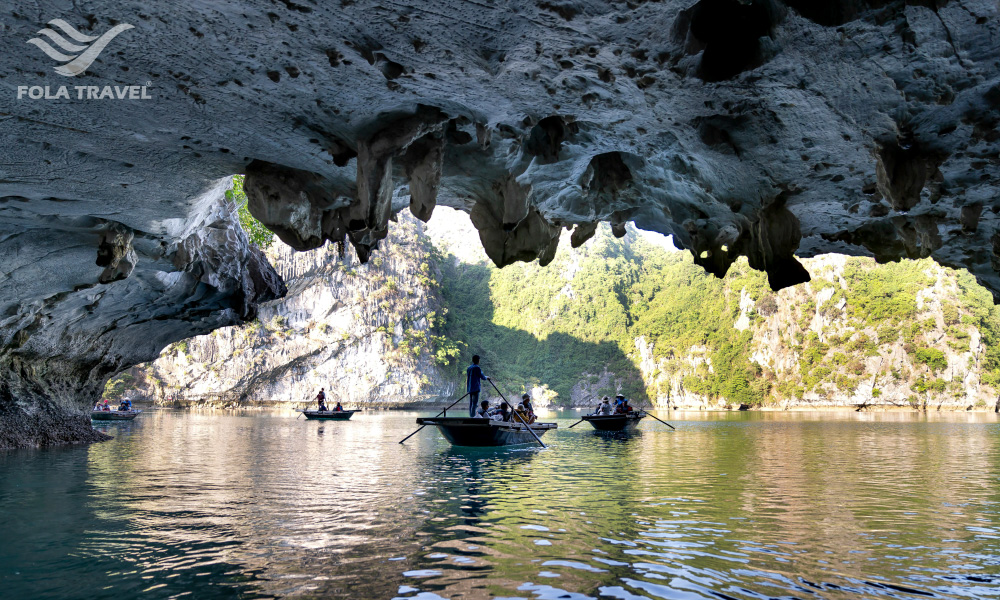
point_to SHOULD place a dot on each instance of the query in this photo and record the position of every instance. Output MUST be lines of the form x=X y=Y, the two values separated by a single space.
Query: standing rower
x=473 y=375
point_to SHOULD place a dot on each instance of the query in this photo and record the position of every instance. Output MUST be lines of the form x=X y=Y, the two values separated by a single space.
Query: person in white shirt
x=606 y=407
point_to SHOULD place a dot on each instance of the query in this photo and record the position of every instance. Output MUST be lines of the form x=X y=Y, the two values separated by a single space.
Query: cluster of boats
x=460 y=431
x=467 y=431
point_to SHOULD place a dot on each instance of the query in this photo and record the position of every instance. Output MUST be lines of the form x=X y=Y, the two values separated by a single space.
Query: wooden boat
x=468 y=431
x=114 y=415
x=329 y=415
x=615 y=422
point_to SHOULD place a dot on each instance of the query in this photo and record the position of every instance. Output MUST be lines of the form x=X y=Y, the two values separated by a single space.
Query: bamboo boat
x=470 y=431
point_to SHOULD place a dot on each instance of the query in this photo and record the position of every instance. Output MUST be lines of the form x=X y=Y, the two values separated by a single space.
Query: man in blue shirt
x=473 y=375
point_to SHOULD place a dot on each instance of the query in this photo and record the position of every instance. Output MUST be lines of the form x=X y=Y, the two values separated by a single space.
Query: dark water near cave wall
x=759 y=505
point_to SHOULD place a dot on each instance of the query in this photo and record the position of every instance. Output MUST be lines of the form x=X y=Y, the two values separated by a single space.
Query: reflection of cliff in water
x=837 y=483
x=264 y=498
x=228 y=504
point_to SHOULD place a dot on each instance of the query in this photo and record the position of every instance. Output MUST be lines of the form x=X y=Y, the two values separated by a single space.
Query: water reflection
x=223 y=504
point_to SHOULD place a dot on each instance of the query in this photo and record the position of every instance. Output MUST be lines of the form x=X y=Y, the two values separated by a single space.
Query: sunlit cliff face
x=741 y=127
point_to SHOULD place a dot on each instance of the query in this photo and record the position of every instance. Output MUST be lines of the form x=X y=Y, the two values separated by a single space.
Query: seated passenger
x=483 y=412
x=620 y=403
x=502 y=413
x=600 y=406
x=525 y=410
x=338 y=408
x=606 y=407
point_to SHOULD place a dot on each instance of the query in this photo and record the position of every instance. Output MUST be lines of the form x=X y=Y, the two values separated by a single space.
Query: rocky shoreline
x=21 y=430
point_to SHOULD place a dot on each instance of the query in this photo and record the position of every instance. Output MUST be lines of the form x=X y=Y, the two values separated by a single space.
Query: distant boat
x=469 y=431
x=329 y=415
x=625 y=422
x=114 y=415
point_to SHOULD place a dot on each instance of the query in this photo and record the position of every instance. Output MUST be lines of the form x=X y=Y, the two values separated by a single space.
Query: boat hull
x=114 y=415
x=614 y=422
x=329 y=415
x=464 y=431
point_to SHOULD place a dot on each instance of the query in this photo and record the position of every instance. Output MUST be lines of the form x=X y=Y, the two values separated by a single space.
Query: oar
x=436 y=416
x=517 y=415
x=575 y=424
x=664 y=422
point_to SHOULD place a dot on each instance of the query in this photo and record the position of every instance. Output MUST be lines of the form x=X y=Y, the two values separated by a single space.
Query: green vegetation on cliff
x=259 y=235
x=625 y=314
x=565 y=324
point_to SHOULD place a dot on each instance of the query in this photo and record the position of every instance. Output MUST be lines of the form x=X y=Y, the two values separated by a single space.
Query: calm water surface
x=752 y=505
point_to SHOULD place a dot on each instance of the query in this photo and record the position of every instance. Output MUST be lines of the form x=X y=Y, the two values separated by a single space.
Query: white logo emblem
x=74 y=63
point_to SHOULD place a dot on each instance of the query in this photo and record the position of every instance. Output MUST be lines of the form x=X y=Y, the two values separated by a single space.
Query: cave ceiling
x=759 y=128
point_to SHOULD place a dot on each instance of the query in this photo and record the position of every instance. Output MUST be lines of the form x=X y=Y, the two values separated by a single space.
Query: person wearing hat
x=525 y=410
x=605 y=408
x=619 y=403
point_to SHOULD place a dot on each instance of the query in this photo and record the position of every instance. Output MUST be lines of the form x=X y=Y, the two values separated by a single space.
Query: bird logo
x=85 y=50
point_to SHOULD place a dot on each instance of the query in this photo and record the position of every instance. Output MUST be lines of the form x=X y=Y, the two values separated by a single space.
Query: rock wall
x=363 y=332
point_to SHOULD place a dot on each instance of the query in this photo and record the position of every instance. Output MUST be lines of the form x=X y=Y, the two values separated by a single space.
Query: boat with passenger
x=620 y=422
x=329 y=415
x=114 y=415
x=474 y=431
x=620 y=417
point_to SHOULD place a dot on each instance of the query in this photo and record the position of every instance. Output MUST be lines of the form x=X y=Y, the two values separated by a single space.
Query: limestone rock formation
x=811 y=344
x=363 y=332
x=763 y=128
x=57 y=350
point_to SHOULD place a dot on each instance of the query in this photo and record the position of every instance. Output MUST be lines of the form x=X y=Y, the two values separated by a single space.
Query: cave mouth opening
x=630 y=313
